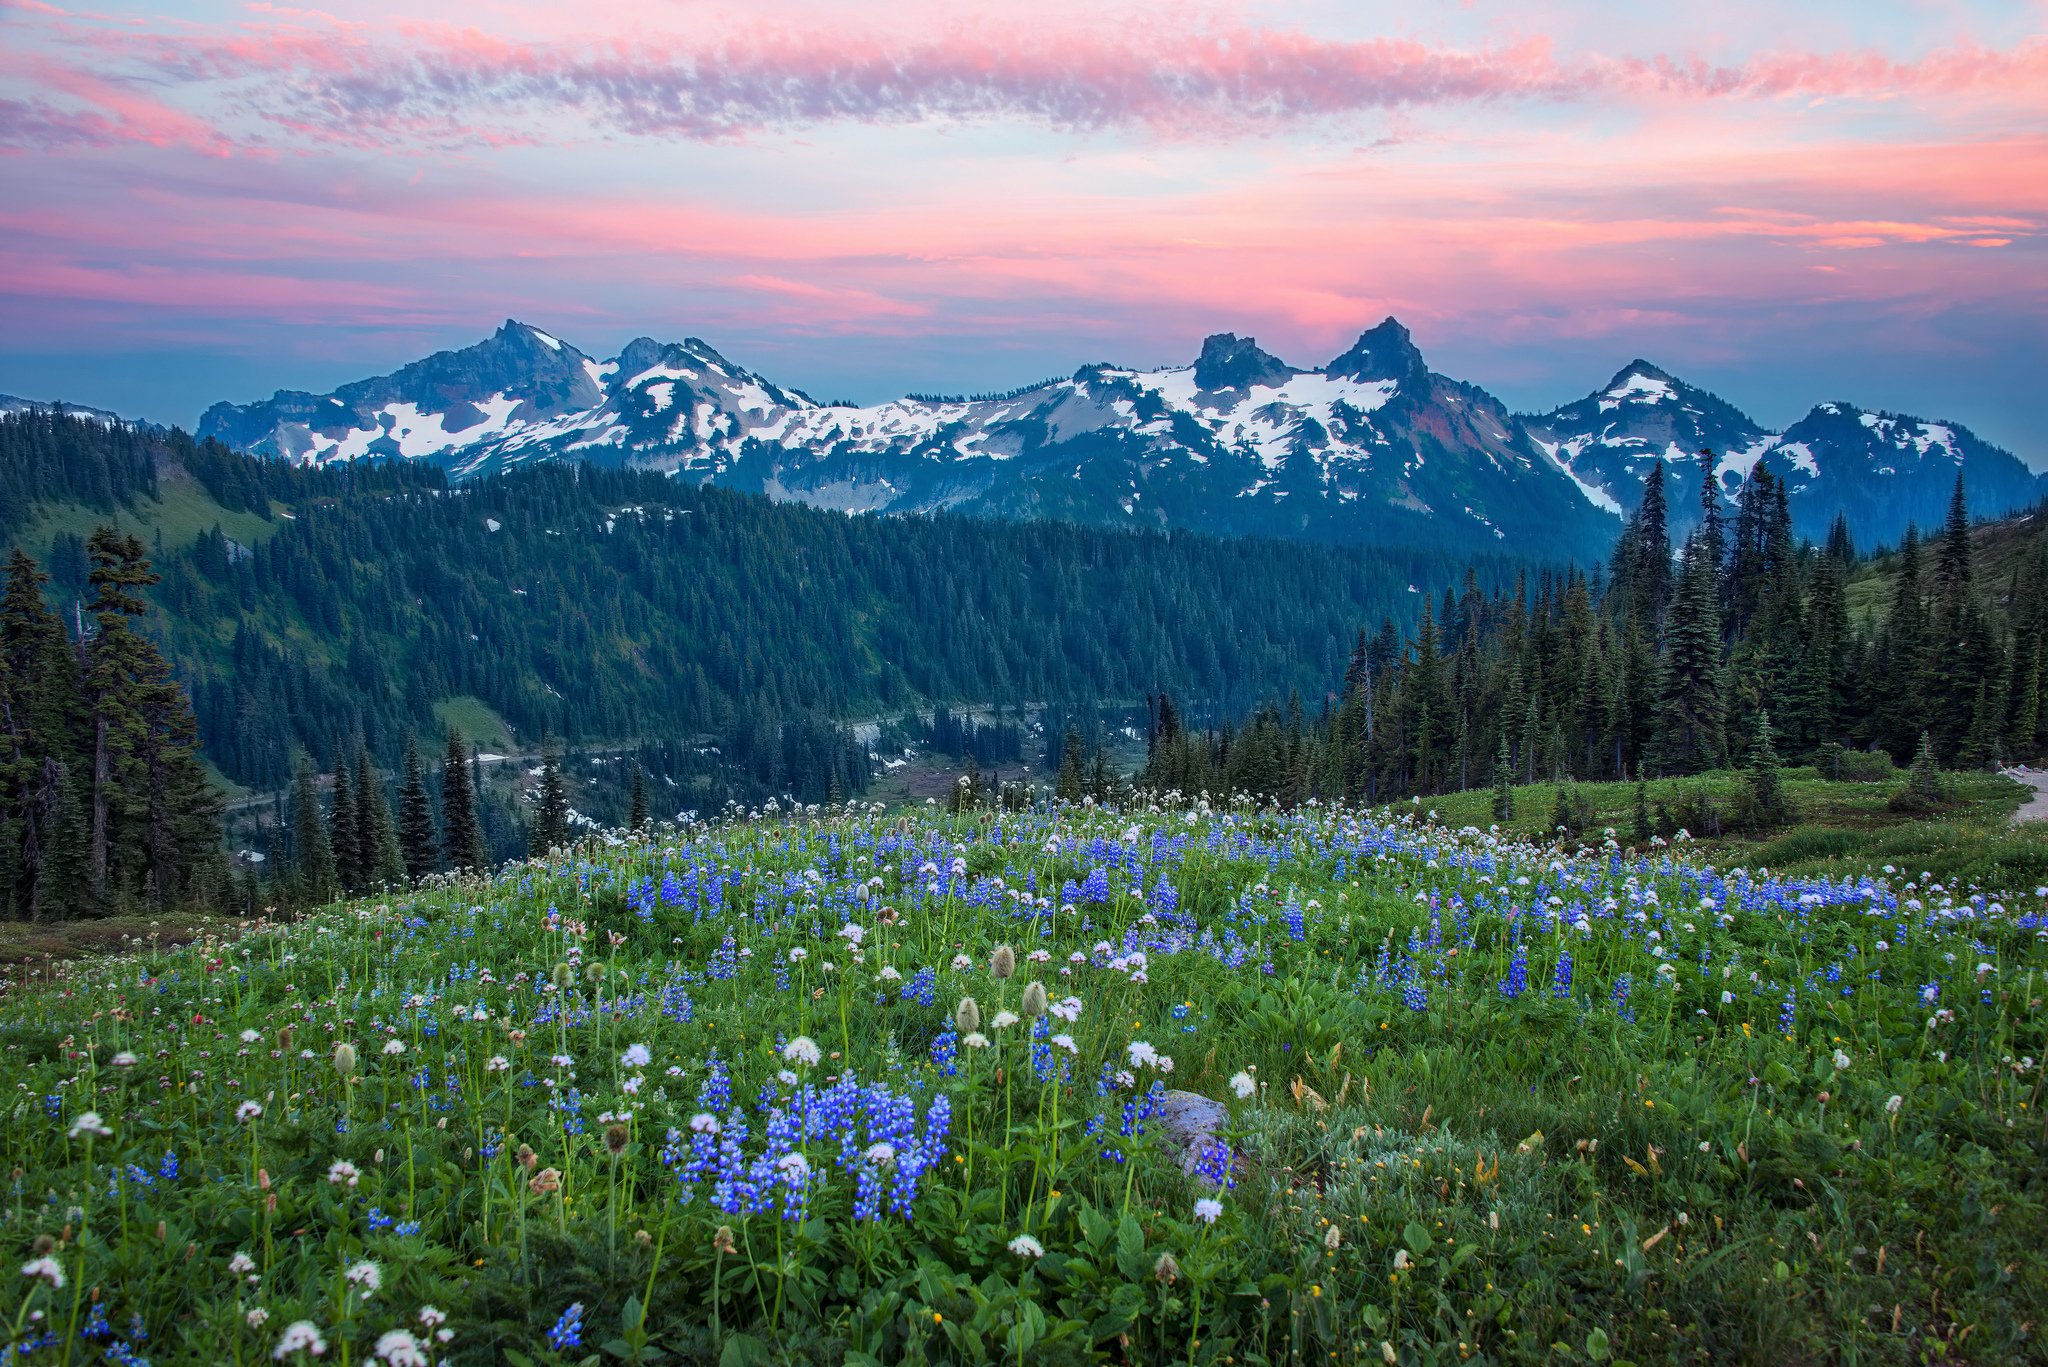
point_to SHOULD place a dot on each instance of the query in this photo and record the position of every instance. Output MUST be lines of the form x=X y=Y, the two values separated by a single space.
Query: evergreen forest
x=1739 y=651
x=722 y=644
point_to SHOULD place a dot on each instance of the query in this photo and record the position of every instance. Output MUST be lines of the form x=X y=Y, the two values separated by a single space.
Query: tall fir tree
x=39 y=691
x=383 y=860
x=417 y=839
x=1653 y=549
x=551 y=816
x=312 y=856
x=1765 y=778
x=1503 y=784
x=344 y=832
x=636 y=802
x=462 y=831
x=1692 y=719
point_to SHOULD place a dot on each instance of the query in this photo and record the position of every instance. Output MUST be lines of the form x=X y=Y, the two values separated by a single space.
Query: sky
x=1784 y=203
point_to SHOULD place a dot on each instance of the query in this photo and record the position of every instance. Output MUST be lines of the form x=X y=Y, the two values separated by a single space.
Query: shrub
x=1926 y=790
x=1839 y=764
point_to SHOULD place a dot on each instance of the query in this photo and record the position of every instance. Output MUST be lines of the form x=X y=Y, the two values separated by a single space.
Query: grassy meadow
x=862 y=1086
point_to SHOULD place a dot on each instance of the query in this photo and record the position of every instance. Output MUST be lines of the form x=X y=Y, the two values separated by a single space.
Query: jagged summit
x=1386 y=352
x=1879 y=469
x=1372 y=447
x=1232 y=362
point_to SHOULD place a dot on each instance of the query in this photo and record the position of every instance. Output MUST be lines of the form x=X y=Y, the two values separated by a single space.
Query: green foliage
x=551 y=818
x=417 y=840
x=104 y=804
x=1925 y=790
x=1453 y=1117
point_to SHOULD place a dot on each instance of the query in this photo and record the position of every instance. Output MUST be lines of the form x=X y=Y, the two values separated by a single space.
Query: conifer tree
x=1765 y=779
x=1503 y=784
x=39 y=692
x=313 y=858
x=1561 y=816
x=114 y=658
x=1067 y=786
x=153 y=827
x=417 y=840
x=1980 y=741
x=1954 y=564
x=383 y=860
x=1692 y=677
x=462 y=832
x=2023 y=720
x=344 y=832
x=636 y=804
x=1712 y=535
x=1841 y=546
x=1925 y=787
x=60 y=891
x=1652 y=570
x=551 y=817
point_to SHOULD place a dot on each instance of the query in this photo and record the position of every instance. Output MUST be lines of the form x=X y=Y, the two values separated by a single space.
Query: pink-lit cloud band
x=1856 y=191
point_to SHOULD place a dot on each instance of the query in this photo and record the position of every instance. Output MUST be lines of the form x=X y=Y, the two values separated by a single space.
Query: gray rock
x=1189 y=1123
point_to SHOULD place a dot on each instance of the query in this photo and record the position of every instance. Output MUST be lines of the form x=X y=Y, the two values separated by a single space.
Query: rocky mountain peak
x=1232 y=362
x=1386 y=352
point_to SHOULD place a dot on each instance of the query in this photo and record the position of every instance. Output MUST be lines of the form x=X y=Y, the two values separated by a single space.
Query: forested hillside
x=617 y=604
x=1680 y=665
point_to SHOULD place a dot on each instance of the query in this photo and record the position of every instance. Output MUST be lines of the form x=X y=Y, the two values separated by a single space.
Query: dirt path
x=2037 y=808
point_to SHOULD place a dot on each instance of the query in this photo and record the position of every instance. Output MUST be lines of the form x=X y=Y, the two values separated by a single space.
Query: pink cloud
x=356 y=84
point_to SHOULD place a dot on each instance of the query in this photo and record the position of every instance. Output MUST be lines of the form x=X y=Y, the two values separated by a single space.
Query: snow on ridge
x=545 y=340
x=1801 y=457
x=1744 y=461
x=1636 y=389
x=1594 y=494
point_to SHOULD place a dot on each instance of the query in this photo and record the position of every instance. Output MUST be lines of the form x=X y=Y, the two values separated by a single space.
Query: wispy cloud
x=987 y=197
x=301 y=77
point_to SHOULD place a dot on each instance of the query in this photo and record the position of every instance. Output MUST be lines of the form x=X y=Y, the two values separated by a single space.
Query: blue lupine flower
x=1517 y=981
x=568 y=1330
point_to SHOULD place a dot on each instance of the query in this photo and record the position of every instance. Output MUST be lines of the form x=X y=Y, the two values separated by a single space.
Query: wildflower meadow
x=1162 y=1084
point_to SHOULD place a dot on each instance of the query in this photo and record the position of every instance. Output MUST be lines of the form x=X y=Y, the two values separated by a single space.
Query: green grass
x=1488 y=1101
x=181 y=512
x=474 y=718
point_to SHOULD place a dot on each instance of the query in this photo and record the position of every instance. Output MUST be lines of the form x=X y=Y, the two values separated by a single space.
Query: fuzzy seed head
x=967 y=1016
x=1034 y=1001
x=344 y=1059
x=1002 y=963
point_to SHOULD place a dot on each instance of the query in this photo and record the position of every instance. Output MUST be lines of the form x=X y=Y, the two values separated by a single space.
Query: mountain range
x=1371 y=447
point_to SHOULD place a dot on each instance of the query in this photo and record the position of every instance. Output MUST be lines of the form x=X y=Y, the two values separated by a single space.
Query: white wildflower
x=300 y=1336
x=45 y=1267
x=401 y=1349
x=89 y=1124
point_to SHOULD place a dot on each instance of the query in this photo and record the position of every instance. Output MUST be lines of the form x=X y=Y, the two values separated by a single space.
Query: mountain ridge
x=1372 y=446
